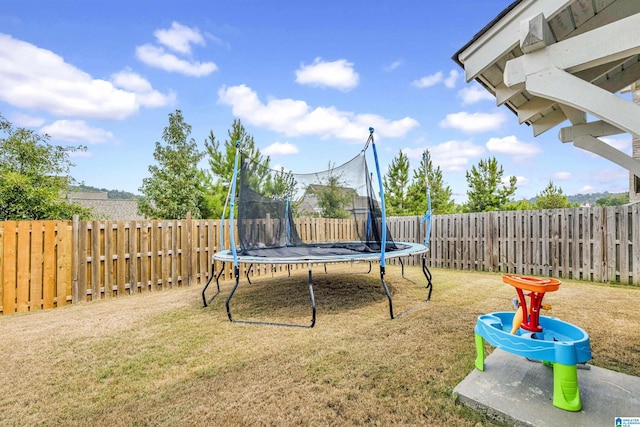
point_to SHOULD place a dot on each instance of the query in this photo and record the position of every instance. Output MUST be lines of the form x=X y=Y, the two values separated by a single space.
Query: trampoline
x=274 y=209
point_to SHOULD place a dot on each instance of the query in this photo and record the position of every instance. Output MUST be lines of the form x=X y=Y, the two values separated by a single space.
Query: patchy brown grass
x=162 y=359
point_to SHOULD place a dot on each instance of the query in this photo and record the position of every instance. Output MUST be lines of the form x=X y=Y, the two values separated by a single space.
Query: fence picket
x=9 y=277
x=65 y=265
x=35 y=273
x=22 y=269
x=108 y=259
x=48 y=263
x=134 y=253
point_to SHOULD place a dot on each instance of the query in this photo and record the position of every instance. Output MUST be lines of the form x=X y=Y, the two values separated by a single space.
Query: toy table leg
x=565 y=387
x=479 y=352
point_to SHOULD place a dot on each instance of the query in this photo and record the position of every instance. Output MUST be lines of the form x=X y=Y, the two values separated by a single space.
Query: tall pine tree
x=221 y=161
x=174 y=187
x=441 y=194
x=395 y=185
x=486 y=190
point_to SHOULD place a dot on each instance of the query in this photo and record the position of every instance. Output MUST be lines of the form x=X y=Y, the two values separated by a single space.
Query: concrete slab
x=520 y=392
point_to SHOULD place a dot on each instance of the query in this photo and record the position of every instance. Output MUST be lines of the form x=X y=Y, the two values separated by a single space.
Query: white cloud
x=25 y=120
x=280 y=149
x=77 y=131
x=337 y=74
x=472 y=94
x=608 y=175
x=293 y=117
x=474 y=122
x=436 y=78
x=428 y=81
x=622 y=144
x=562 y=176
x=450 y=81
x=451 y=156
x=394 y=65
x=615 y=180
x=145 y=94
x=510 y=145
x=587 y=189
x=131 y=81
x=156 y=56
x=35 y=78
x=521 y=181
x=179 y=38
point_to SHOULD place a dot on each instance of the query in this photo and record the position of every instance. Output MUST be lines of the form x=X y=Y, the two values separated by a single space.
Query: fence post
x=75 y=293
x=186 y=252
x=492 y=235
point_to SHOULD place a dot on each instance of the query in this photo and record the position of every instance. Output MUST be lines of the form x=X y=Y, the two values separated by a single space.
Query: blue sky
x=306 y=78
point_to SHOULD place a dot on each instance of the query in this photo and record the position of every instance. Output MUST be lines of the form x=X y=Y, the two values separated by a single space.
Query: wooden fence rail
x=46 y=264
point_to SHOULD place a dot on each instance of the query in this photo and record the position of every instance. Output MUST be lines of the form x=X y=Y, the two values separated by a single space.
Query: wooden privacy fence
x=45 y=264
x=599 y=244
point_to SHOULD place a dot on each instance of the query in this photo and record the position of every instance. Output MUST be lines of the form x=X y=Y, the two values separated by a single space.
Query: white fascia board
x=608 y=43
x=562 y=87
x=504 y=35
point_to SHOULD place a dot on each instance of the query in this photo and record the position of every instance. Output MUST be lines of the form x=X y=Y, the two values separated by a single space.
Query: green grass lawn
x=163 y=359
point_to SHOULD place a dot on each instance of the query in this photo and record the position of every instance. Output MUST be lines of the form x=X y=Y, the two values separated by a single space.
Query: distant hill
x=111 y=194
x=590 y=198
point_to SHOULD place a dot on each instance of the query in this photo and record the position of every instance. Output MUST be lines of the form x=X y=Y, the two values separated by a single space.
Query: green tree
x=486 y=190
x=519 y=205
x=395 y=183
x=221 y=161
x=613 y=200
x=332 y=195
x=441 y=194
x=552 y=198
x=174 y=187
x=35 y=176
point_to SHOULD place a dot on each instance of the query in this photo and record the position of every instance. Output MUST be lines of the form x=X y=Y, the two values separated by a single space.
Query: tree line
x=488 y=190
x=36 y=176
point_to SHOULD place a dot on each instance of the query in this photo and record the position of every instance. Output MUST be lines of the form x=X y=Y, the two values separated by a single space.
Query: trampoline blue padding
x=320 y=253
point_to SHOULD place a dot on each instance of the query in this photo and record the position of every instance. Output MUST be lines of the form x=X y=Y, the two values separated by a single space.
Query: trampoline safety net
x=279 y=212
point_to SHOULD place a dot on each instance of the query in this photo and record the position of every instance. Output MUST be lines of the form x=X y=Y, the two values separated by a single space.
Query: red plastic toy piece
x=536 y=287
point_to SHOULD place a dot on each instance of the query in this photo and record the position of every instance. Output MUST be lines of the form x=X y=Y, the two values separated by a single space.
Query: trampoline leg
x=386 y=291
x=313 y=300
x=251 y=322
x=249 y=271
x=429 y=287
x=427 y=275
x=204 y=290
x=236 y=274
